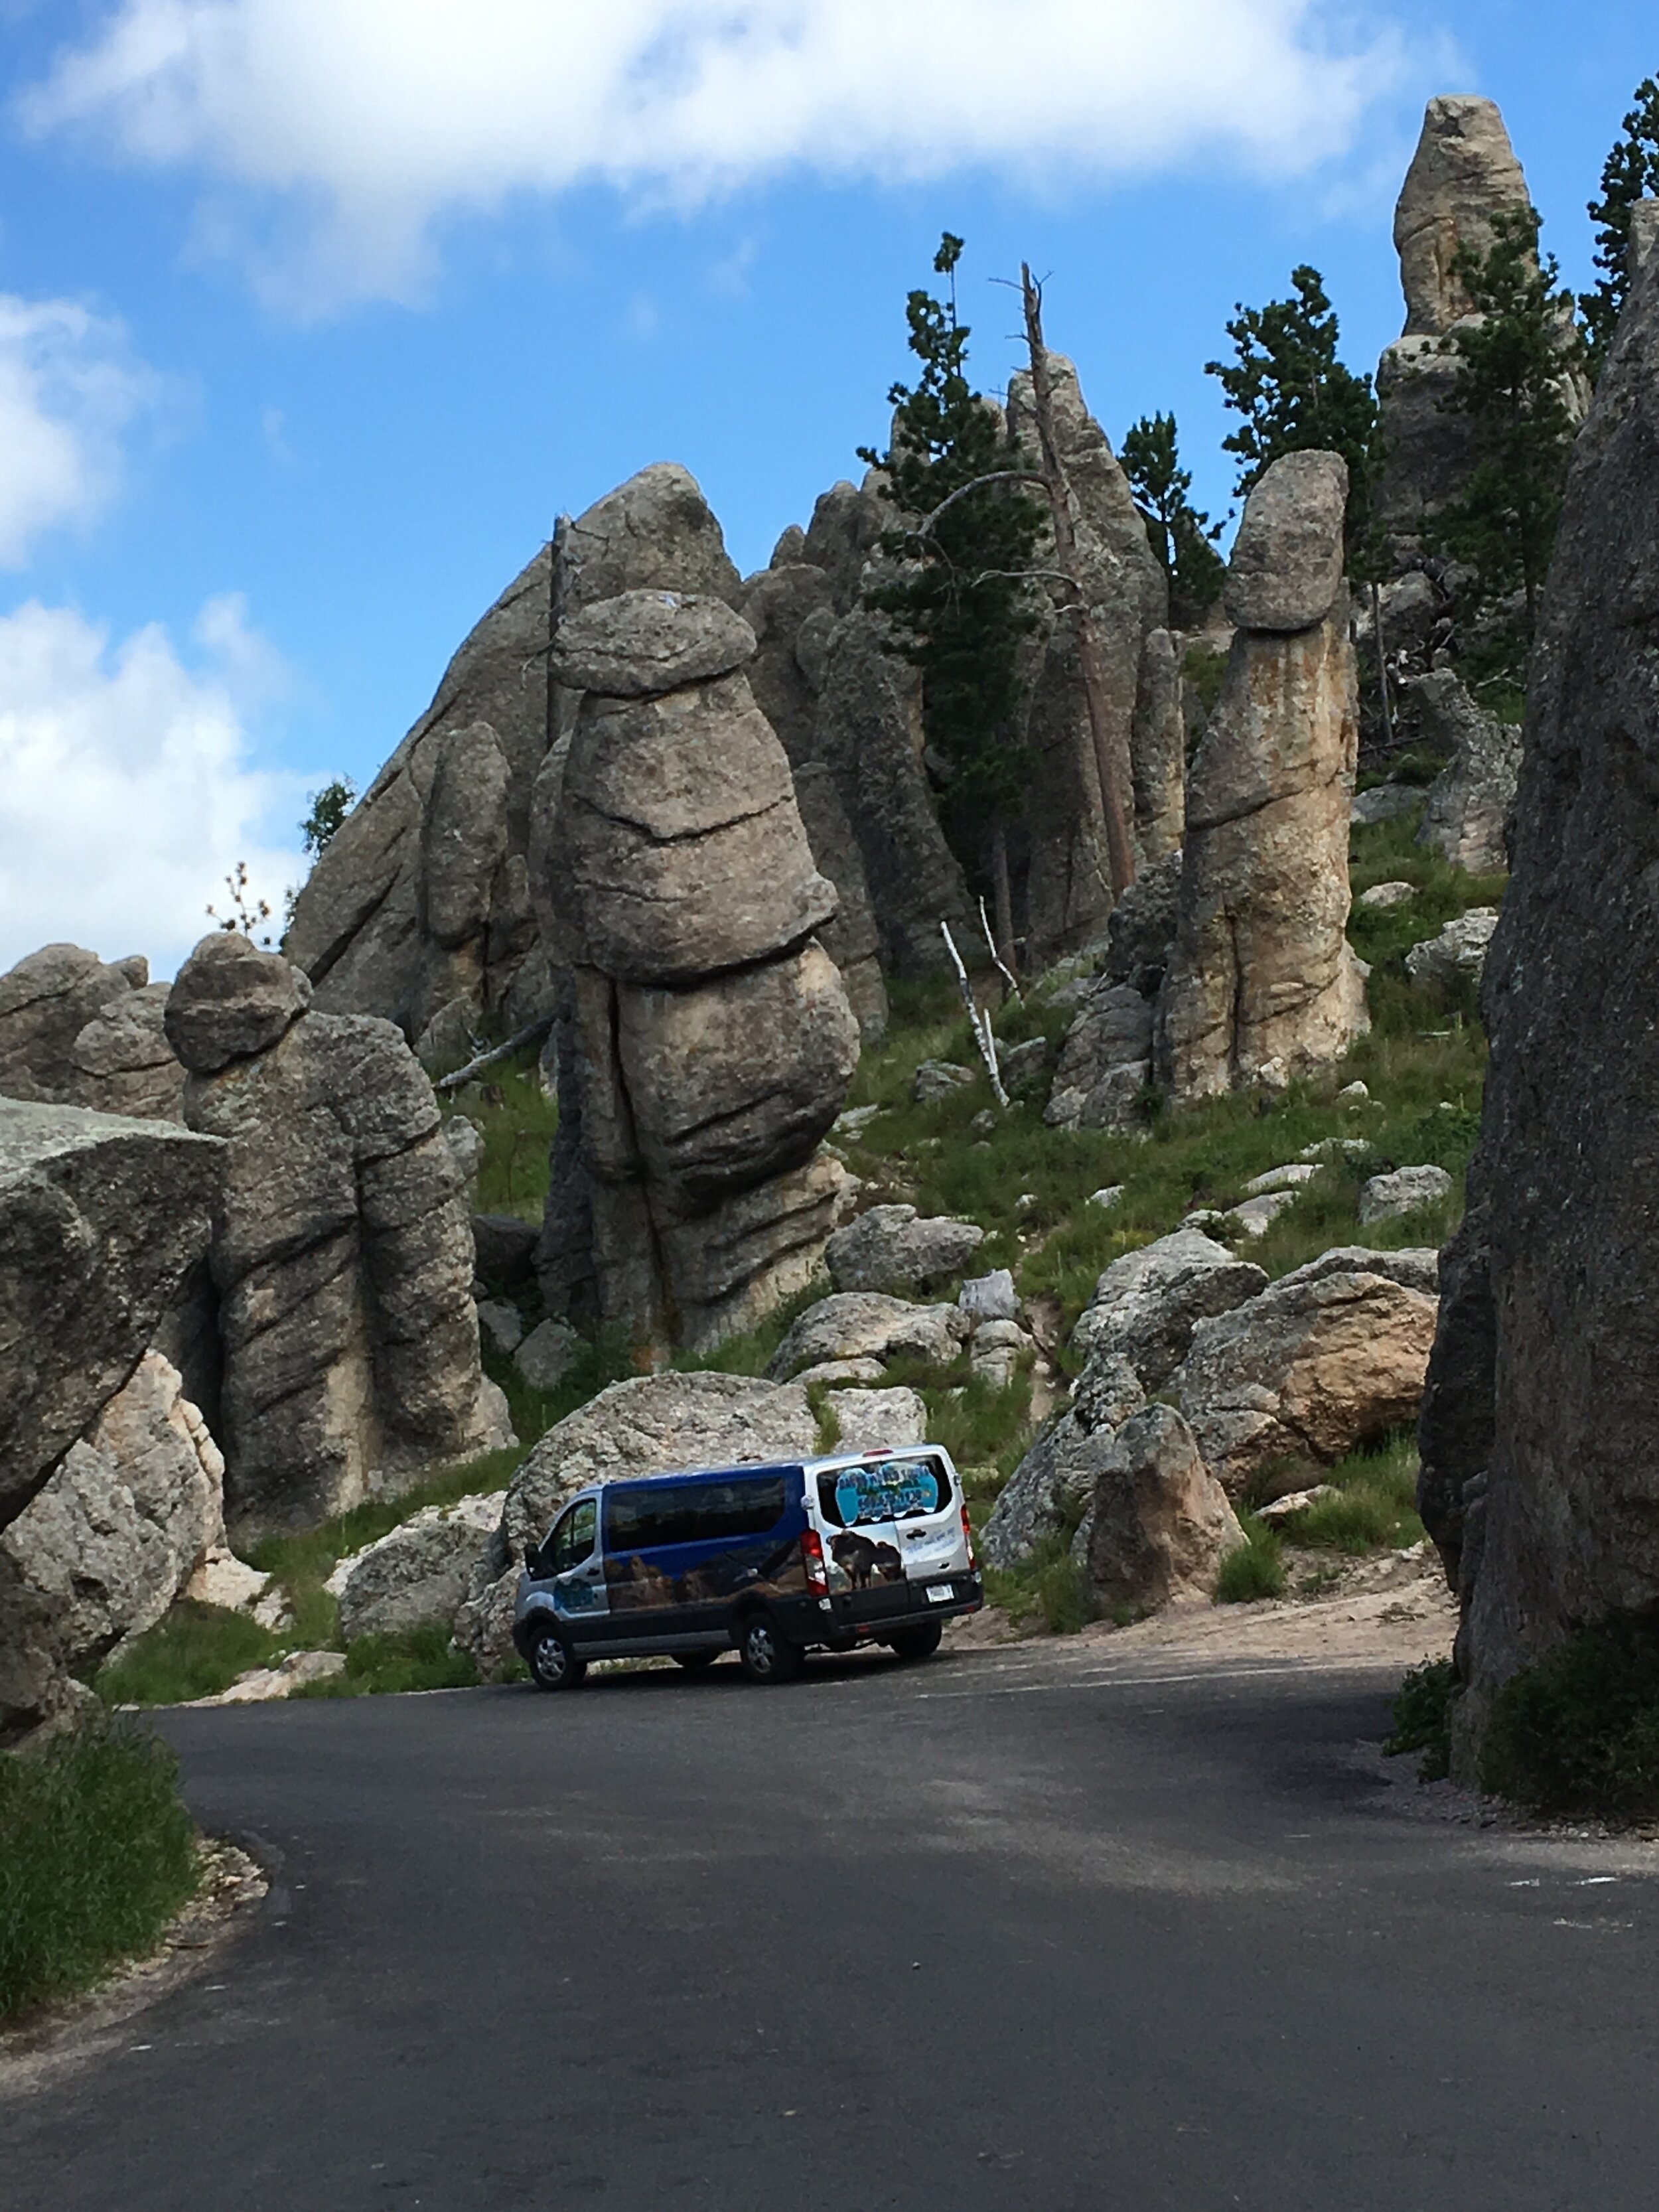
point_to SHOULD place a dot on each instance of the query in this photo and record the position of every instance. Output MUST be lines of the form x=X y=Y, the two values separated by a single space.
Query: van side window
x=899 y=1489
x=572 y=1541
x=692 y=1513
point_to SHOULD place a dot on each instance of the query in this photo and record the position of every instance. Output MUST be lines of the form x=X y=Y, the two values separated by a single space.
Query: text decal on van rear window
x=887 y=1490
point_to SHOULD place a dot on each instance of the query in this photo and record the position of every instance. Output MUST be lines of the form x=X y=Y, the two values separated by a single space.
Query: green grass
x=1422 y=1717
x=518 y=1120
x=1577 y=1735
x=1374 y=1508
x=383 y=1666
x=1254 y=1569
x=96 y=1855
x=1048 y=1590
x=193 y=1651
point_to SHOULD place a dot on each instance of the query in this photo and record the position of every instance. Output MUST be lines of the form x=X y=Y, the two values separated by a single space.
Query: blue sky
x=314 y=314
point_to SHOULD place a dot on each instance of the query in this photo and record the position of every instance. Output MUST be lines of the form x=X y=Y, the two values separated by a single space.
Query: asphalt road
x=1023 y=1929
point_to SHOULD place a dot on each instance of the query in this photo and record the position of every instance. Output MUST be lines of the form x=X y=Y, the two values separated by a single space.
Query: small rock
x=997 y=1349
x=546 y=1355
x=869 y=1325
x=222 y=1579
x=1382 y=897
x=1385 y=803
x=873 y=1420
x=1459 y=953
x=261 y=1684
x=502 y=1324
x=464 y=1139
x=1110 y=1195
x=984 y=1123
x=834 y=1372
x=855 y=1120
x=1256 y=1216
x=1352 y=1094
x=1403 y=1192
x=939 y=1078
x=1336 y=1148
x=1287 y=1178
x=990 y=1297
x=1024 y=1065
x=1298 y=1501
x=891 y=1248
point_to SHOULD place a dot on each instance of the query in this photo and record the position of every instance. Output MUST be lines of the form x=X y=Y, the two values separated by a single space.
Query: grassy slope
x=1028 y=1185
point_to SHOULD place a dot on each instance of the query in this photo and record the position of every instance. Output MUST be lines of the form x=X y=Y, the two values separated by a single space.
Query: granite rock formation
x=1546 y=1369
x=101 y=1222
x=76 y=1030
x=1146 y=1304
x=1050 y=1491
x=343 y=1250
x=1262 y=985
x=1160 y=1524
x=708 y=1042
x=131 y=1512
x=1466 y=816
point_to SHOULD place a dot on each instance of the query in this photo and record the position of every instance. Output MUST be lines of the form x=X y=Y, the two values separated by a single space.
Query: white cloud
x=67 y=388
x=127 y=792
x=369 y=120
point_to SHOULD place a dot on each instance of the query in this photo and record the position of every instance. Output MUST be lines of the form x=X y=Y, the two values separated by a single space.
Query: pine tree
x=1516 y=353
x=1631 y=174
x=1182 y=537
x=329 y=809
x=959 y=604
x=1294 y=394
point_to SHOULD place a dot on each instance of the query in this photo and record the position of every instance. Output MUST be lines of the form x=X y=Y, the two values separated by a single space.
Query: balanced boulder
x=1160 y=1524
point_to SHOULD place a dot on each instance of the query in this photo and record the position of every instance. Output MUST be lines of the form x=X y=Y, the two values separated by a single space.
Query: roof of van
x=769 y=1466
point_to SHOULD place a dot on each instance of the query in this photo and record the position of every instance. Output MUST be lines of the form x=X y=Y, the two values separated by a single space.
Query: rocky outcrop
x=1463 y=177
x=869 y=1325
x=1262 y=985
x=1547 y=1370
x=1160 y=1524
x=708 y=1042
x=420 y=908
x=76 y=1030
x=1457 y=957
x=1467 y=816
x=1384 y=1197
x=1320 y=1362
x=1067 y=894
x=116 y=1533
x=1105 y=1062
x=1050 y=1491
x=892 y=1248
x=1146 y=1304
x=420 y=1574
x=101 y=1222
x=342 y=1250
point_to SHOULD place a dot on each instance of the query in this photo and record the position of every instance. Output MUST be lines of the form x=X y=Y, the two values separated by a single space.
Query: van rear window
x=885 y=1490
x=697 y=1513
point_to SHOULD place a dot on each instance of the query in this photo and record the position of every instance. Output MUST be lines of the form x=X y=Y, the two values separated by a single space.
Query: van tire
x=553 y=1665
x=917 y=1643
x=767 y=1657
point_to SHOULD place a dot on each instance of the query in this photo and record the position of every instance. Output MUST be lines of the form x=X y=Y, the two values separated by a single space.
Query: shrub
x=1422 y=1717
x=1576 y=1734
x=193 y=1651
x=1254 y=1569
x=1048 y=1586
x=96 y=1855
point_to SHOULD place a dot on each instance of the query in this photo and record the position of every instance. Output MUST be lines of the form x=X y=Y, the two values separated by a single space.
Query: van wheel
x=918 y=1642
x=553 y=1665
x=767 y=1657
x=695 y=1662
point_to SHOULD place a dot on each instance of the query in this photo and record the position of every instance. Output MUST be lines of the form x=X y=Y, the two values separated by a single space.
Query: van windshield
x=898 y=1489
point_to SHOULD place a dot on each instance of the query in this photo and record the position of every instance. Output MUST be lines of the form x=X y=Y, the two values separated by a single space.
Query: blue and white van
x=866 y=1548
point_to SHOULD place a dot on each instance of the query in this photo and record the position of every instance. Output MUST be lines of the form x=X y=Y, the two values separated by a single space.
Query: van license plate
x=940 y=1593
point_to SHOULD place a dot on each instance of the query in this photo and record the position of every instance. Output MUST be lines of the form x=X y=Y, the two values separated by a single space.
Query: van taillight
x=812 y=1552
x=968 y=1538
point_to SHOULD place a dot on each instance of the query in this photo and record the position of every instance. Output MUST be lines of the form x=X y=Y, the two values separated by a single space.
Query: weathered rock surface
x=1383 y=802
x=122 y=1063
x=45 y=1001
x=101 y=1551
x=1146 y=1304
x=879 y=1420
x=938 y=1078
x=546 y=1356
x=869 y=1325
x=892 y=1248
x=504 y=1249
x=706 y=1041
x=101 y=1222
x=1161 y=1523
x=1458 y=954
x=1317 y=1365
x=419 y=1575
x=1068 y=893
x=1554 y=1357
x=1382 y=1197
x=1469 y=802
x=1105 y=1062
x=1263 y=984
x=1051 y=1489
x=1140 y=935
x=341 y=1249
x=642 y=644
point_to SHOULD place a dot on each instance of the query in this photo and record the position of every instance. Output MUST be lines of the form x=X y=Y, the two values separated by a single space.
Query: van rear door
x=892 y=1525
